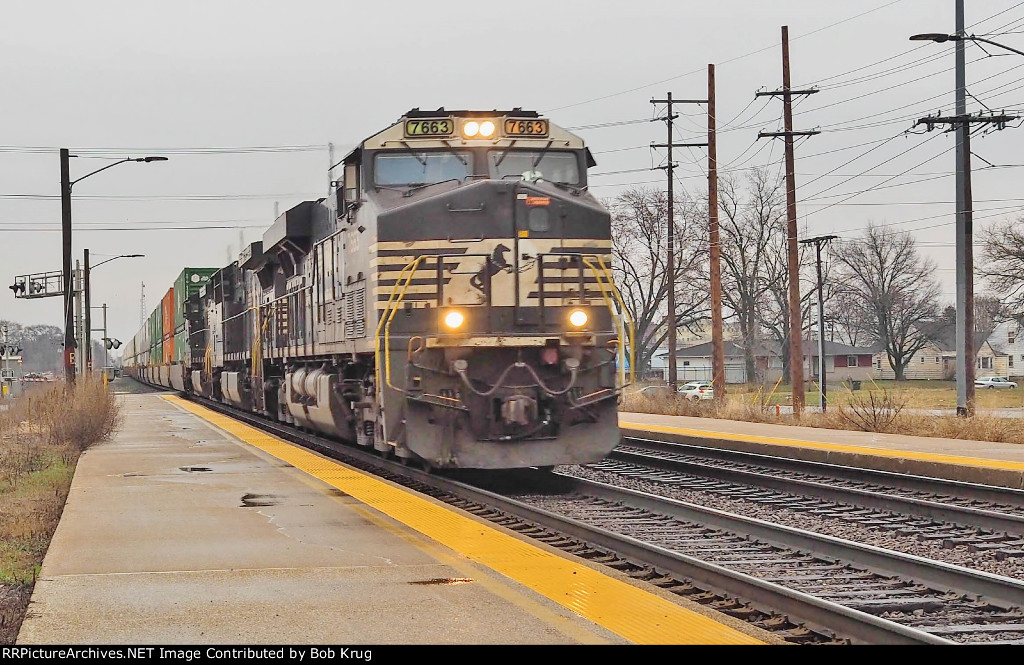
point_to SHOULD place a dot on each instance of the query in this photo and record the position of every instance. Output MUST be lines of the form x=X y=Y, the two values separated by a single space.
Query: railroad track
x=946 y=512
x=805 y=587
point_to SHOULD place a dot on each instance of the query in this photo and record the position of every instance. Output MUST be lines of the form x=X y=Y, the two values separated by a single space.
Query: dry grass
x=42 y=434
x=880 y=408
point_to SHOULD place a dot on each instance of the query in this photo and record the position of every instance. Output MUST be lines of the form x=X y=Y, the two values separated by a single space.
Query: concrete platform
x=177 y=531
x=986 y=462
x=174 y=533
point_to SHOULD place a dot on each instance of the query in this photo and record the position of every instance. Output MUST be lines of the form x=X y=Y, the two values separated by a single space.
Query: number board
x=429 y=127
x=525 y=127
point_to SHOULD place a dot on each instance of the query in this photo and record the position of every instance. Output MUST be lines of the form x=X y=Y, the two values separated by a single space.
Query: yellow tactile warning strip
x=628 y=611
x=837 y=447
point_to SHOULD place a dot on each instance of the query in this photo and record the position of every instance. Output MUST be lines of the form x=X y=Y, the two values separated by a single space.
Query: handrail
x=627 y=335
x=603 y=279
x=257 y=344
x=625 y=315
x=384 y=324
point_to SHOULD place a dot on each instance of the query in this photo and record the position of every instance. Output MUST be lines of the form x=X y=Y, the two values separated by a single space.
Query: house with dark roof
x=843 y=362
x=937 y=359
x=693 y=363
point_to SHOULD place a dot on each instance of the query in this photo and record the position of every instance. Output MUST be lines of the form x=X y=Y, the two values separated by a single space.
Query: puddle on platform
x=334 y=491
x=443 y=581
x=250 y=500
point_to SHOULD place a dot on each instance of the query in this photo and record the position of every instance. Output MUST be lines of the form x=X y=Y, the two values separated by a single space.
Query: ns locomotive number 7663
x=451 y=301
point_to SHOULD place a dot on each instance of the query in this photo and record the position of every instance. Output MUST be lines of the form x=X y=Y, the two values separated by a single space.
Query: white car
x=697 y=391
x=993 y=382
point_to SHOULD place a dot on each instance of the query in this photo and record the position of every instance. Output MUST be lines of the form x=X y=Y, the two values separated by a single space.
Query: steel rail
x=911 y=482
x=815 y=612
x=997 y=589
x=935 y=510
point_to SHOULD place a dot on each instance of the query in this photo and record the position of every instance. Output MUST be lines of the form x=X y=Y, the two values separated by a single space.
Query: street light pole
x=88 y=315
x=65 y=222
x=964 y=237
x=88 y=303
x=106 y=362
x=66 y=183
x=965 y=352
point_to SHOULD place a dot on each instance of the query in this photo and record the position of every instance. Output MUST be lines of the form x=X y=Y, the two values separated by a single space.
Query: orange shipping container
x=167 y=313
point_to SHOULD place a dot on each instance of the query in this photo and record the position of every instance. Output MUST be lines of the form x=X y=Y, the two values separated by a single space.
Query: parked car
x=697 y=391
x=993 y=382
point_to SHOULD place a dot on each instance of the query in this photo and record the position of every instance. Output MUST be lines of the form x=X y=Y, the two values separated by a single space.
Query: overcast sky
x=275 y=82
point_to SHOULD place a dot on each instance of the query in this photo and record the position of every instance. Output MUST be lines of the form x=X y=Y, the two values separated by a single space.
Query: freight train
x=449 y=302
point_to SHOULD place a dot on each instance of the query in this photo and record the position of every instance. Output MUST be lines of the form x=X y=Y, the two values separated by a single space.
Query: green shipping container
x=181 y=347
x=187 y=284
x=156 y=335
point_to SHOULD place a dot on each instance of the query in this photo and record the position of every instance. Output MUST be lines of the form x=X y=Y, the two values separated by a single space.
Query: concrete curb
x=961 y=472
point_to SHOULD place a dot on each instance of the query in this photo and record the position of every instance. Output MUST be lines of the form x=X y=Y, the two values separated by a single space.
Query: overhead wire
x=724 y=62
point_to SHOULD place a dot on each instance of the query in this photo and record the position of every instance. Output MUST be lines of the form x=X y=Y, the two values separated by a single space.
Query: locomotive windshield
x=421 y=168
x=535 y=165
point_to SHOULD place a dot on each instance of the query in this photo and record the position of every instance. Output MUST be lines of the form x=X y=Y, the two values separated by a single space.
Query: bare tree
x=1003 y=263
x=752 y=220
x=773 y=308
x=640 y=259
x=40 y=343
x=885 y=276
x=849 y=319
x=988 y=311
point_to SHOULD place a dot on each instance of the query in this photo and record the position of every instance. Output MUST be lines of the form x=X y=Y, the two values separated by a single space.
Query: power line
x=162 y=197
x=724 y=62
x=97 y=152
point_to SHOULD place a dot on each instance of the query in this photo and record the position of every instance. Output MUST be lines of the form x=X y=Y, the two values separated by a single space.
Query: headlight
x=454 y=319
x=578 y=318
x=486 y=128
x=471 y=129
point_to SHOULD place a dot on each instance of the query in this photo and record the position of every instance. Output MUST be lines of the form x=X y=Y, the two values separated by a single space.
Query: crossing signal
x=18 y=288
x=111 y=343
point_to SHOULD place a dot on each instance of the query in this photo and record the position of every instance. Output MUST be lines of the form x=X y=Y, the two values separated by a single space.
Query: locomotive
x=450 y=302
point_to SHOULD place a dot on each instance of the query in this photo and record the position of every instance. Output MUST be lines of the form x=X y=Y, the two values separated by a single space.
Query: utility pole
x=69 y=324
x=330 y=168
x=717 y=344
x=79 y=332
x=796 y=360
x=88 y=316
x=673 y=376
x=142 y=305
x=5 y=376
x=106 y=355
x=961 y=123
x=822 y=375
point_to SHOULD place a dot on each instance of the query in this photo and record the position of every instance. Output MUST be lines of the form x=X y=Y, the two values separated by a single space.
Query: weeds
x=42 y=434
x=881 y=409
x=873 y=411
